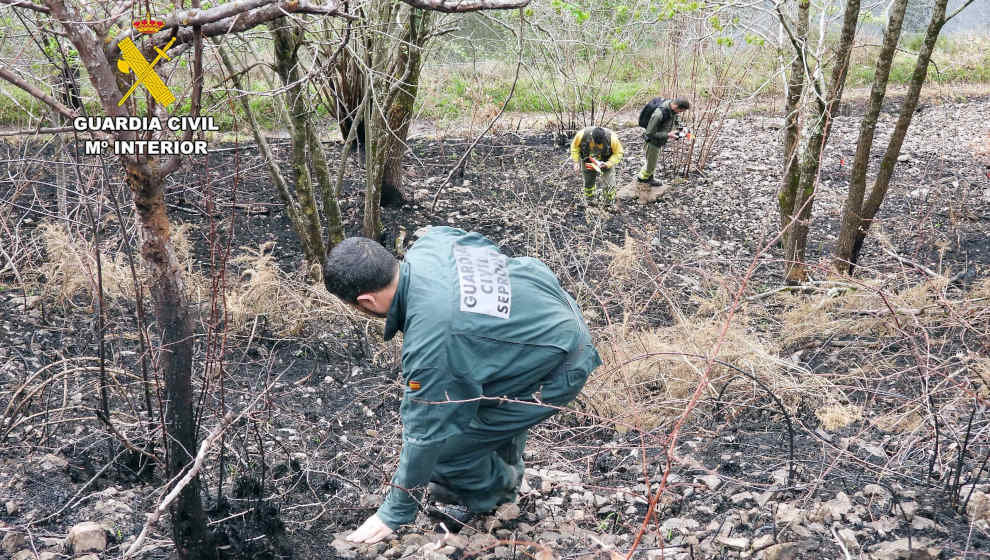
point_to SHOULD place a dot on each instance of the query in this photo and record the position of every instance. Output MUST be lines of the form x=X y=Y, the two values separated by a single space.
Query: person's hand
x=577 y=167
x=672 y=135
x=371 y=531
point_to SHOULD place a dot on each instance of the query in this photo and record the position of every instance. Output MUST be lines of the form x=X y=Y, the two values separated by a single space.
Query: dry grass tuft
x=288 y=301
x=899 y=422
x=71 y=269
x=835 y=416
x=647 y=377
x=863 y=310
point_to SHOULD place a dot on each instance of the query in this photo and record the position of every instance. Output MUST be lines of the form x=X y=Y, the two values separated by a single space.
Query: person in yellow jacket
x=596 y=151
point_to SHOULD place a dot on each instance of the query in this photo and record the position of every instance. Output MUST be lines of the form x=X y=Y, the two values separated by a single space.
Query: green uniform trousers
x=608 y=186
x=483 y=465
x=650 y=165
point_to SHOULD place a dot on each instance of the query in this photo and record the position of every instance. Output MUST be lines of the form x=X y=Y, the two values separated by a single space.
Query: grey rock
x=12 y=542
x=787 y=513
x=87 y=536
x=25 y=554
x=735 y=543
x=680 y=523
x=741 y=497
x=848 y=537
x=51 y=462
x=710 y=480
x=875 y=491
x=838 y=506
x=507 y=512
x=12 y=508
x=901 y=549
x=782 y=551
x=978 y=508
x=761 y=542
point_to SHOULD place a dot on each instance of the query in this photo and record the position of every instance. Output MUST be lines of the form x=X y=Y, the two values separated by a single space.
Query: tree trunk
x=175 y=323
x=397 y=75
x=375 y=168
x=802 y=163
x=400 y=109
x=787 y=197
x=287 y=40
x=853 y=207
x=886 y=170
x=346 y=85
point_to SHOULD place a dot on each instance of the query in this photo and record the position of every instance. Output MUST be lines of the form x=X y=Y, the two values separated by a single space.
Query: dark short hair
x=600 y=135
x=357 y=266
x=681 y=103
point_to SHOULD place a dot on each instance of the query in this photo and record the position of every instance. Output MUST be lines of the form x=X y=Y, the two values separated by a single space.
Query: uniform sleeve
x=576 y=146
x=616 y=151
x=416 y=464
x=430 y=415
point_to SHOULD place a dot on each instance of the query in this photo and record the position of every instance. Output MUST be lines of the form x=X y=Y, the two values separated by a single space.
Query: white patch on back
x=483 y=274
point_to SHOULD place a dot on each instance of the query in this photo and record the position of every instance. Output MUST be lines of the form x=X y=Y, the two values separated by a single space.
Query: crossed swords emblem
x=134 y=61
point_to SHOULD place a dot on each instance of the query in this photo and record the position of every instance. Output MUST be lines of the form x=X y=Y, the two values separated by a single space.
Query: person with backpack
x=596 y=151
x=660 y=119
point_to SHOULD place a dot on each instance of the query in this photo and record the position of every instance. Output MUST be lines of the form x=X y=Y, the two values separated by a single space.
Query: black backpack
x=647 y=112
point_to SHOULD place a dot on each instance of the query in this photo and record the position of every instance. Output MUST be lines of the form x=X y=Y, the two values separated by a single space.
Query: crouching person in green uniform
x=491 y=345
x=596 y=151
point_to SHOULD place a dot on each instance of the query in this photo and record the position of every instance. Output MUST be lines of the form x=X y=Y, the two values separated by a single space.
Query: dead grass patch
x=836 y=416
x=71 y=267
x=288 y=301
x=649 y=376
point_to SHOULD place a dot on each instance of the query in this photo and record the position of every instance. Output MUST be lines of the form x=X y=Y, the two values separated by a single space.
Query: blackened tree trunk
x=400 y=108
x=174 y=322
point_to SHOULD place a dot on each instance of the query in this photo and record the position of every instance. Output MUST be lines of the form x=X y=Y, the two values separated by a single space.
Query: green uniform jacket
x=476 y=324
x=662 y=121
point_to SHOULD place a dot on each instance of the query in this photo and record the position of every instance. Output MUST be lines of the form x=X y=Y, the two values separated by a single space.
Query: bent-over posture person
x=477 y=326
x=596 y=151
x=659 y=117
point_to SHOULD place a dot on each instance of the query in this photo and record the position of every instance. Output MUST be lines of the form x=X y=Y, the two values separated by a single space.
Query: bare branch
x=37 y=93
x=252 y=14
x=961 y=8
x=26 y=4
x=459 y=6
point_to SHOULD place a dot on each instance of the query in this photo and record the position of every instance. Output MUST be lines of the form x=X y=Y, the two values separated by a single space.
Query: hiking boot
x=453 y=516
x=650 y=181
x=443 y=495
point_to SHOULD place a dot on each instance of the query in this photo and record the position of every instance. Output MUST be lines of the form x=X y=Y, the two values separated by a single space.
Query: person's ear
x=366 y=301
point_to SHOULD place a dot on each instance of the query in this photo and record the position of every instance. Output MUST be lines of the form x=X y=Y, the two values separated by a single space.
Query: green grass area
x=17 y=106
x=19 y=109
x=955 y=61
x=478 y=89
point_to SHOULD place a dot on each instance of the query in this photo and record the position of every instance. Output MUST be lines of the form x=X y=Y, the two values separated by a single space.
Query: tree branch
x=37 y=93
x=26 y=4
x=961 y=8
x=459 y=6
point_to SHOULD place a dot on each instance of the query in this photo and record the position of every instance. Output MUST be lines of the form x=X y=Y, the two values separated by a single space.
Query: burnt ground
x=310 y=460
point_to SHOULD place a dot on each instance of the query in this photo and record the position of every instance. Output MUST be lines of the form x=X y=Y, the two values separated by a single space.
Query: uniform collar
x=396 y=318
